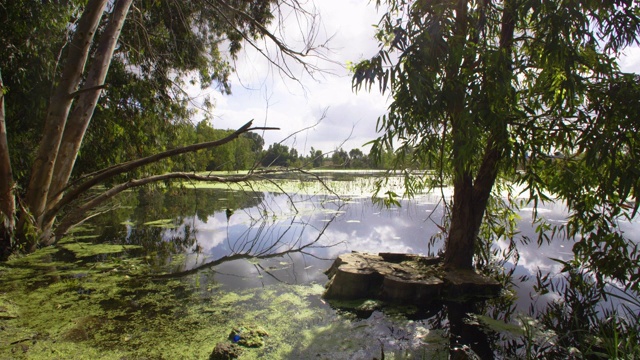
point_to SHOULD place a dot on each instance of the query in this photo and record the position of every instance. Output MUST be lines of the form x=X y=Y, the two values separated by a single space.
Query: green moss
x=234 y=298
x=358 y=305
x=309 y=290
x=248 y=335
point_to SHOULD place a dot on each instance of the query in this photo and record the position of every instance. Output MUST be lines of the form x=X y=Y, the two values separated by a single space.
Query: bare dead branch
x=78 y=213
x=310 y=49
x=100 y=176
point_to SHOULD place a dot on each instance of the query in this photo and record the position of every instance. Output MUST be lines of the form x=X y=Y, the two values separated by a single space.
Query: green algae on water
x=162 y=223
x=82 y=249
x=116 y=314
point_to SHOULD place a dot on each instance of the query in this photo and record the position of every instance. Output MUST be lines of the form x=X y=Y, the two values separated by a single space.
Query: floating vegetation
x=162 y=223
x=82 y=249
x=147 y=291
x=112 y=310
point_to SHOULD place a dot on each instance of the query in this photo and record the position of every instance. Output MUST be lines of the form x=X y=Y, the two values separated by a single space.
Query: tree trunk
x=462 y=233
x=58 y=111
x=80 y=117
x=470 y=199
x=7 y=199
x=471 y=196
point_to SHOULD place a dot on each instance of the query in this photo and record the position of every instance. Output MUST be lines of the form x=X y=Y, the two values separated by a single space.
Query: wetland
x=171 y=273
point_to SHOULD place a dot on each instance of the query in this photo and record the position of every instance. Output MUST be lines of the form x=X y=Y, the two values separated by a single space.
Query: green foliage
x=579 y=324
x=280 y=155
x=316 y=157
x=163 y=45
x=340 y=158
x=528 y=91
x=32 y=36
x=237 y=155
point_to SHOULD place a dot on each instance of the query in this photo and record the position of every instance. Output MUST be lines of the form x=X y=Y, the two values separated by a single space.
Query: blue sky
x=262 y=94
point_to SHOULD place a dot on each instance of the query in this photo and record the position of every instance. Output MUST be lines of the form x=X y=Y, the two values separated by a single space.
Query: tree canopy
x=120 y=66
x=490 y=90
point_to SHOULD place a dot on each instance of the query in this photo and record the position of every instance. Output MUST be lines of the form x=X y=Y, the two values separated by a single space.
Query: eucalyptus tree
x=357 y=159
x=486 y=90
x=121 y=66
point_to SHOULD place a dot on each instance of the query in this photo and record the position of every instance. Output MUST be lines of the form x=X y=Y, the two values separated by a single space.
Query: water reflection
x=250 y=240
x=274 y=226
x=266 y=223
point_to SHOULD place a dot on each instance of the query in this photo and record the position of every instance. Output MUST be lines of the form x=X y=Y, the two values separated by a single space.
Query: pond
x=170 y=274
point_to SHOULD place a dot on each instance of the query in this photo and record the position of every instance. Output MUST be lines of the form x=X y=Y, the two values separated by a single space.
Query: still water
x=197 y=262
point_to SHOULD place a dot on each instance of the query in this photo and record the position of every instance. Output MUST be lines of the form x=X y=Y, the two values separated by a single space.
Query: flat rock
x=463 y=283
x=402 y=278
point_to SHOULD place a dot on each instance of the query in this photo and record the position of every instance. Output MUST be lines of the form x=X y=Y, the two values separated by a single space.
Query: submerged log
x=403 y=278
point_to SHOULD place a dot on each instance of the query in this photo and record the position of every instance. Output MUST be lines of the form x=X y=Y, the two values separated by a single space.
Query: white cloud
x=262 y=94
x=630 y=60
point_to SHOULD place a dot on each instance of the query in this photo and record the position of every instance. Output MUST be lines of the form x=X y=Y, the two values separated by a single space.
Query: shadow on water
x=441 y=330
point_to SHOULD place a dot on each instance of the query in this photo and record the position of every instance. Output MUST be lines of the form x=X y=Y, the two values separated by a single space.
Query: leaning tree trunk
x=84 y=107
x=470 y=199
x=58 y=111
x=462 y=232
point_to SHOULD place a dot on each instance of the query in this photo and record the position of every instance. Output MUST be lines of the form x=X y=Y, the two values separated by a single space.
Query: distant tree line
x=248 y=152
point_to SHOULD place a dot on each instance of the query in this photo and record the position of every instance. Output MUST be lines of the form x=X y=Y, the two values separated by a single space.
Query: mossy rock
x=225 y=351
x=248 y=336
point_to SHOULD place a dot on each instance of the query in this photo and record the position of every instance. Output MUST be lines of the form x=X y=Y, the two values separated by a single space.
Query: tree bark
x=80 y=117
x=459 y=247
x=59 y=106
x=7 y=199
x=460 y=244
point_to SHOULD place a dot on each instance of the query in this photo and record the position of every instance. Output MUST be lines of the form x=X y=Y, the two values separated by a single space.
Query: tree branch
x=91 y=88
x=78 y=213
x=296 y=55
x=100 y=176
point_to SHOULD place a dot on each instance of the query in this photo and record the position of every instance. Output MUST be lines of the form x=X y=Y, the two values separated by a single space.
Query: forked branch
x=93 y=179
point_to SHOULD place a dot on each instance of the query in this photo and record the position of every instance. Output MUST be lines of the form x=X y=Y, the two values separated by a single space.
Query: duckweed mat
x=56 y=305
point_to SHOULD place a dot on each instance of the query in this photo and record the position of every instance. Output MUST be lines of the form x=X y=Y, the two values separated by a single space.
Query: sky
x=259 y=92
x=338 y=117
